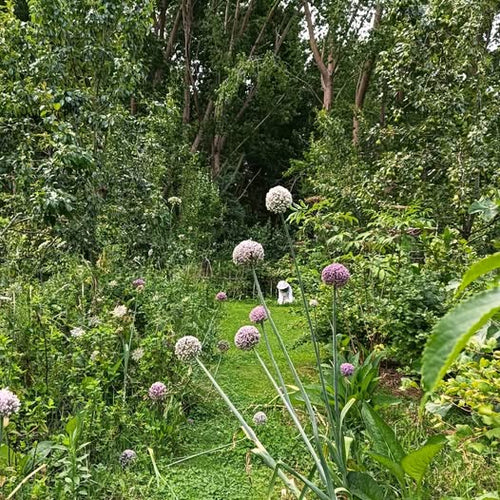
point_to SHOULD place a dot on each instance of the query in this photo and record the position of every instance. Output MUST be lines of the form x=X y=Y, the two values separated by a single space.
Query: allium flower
x=313 y=303
x=174 y=200
x=94 y=355
x=221 y=296
x=187 y=348
x=260 y=418
x=246 y=338
x=157 y=391
x=278 y=200
x=139 y=282
x=335 y=274
x=258 y=314
x=248 y=252
x=77 y=332
x=113 y=283
x=119 y=311
x=9 y=403
x=346 y=369
x=137 y=354
x=127 y=458
x=223 y=345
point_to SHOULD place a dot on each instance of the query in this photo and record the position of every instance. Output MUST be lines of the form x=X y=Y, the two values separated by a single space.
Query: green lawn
x=233 y=473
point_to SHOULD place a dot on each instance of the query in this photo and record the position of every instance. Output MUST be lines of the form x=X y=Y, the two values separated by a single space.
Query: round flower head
x=187 y=348
x=260 y=418
x=278 y=200
x=157 y=391
x=346 y=369
x=174 y=200
x=77 y=332
x=127 y=458
x=313 y=303
x=221 y=296
x=246 y=338
x=119 y=311
x=9 y=403
x=139 y=282
x=248 y=252
x=137 y=354
x=223 y=345
x=258 y=314
x=335 y=274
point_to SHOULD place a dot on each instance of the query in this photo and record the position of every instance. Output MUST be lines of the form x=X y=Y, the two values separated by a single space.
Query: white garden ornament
x=285 y=294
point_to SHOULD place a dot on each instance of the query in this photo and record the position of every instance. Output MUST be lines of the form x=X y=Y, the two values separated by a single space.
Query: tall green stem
x=259 y=450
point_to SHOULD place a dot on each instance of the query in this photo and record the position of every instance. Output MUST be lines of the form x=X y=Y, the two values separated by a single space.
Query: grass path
x=233 y=473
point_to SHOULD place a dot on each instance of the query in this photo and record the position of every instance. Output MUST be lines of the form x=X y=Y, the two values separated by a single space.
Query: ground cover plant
x=164 y=166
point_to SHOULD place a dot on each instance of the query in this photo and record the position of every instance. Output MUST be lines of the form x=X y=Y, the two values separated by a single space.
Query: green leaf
x=363 y=486
x=390 y=465
x=384 y=439
x=486 y=208
x=415 y=463
x=453 y=331
x=481 y=267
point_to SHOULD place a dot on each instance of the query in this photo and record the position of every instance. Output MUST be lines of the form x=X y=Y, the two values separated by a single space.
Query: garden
x=250 y=249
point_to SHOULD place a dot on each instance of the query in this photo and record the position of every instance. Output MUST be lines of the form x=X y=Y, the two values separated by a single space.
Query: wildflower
x=260 y=418
x=113 y=283
x=248 y=252
x=221 y=296
x=9 y=403
x=346 y=369
x=258 y=314
x=94 y=321
x=246 y=338
x=223 y=345
x=335 y=274
x=127 y=458
x=94 y=355
x=119 y=311
x=139 y=283
x=174 y=200
x=157 y=391
x=187 y=348
x=137 y=354
x=77 y=332
x=313 y=303
x=278 y=200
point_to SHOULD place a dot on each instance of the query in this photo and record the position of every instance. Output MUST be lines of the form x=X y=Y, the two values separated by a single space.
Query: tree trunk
x=187 y=20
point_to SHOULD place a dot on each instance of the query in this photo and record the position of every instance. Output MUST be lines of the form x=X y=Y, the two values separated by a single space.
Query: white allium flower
x=174 y=200
x=77 y=332
x=248 y=252
x=187 y=348
x=94 y=355
x=278 y=200
x=119 y=311
x=113 y=283
x=313 y=303
x=260 y=418
x=137 y=354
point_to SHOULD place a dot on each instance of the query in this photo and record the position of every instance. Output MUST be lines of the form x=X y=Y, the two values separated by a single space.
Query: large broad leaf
x=415 y=463
x=363 y=486
x=390 y=465
x=481 y=267
x=384 y=439
x=453 y=332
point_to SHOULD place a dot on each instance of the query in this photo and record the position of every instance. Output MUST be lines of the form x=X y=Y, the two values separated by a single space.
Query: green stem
x=309 y=322
x=260 y=450
x=307 y=401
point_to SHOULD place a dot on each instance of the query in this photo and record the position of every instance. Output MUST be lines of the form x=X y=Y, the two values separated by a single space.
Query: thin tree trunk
x=187 y=19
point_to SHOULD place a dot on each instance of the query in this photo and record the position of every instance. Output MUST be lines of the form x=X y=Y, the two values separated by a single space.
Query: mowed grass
x=233 y=472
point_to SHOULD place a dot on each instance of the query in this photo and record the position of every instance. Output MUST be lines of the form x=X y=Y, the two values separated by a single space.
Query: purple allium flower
x=258 y=314
x=313 y=303
x=9 y=403
x=335 y=274
x=260 y=418
x=248 y=252
x=221 y=296
x=246 y=338
x=278 y=200
x=187 y=348
x=157 y=391
x=139 y=283
x=127 y=458
x=223 y=345
x=346 y=369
